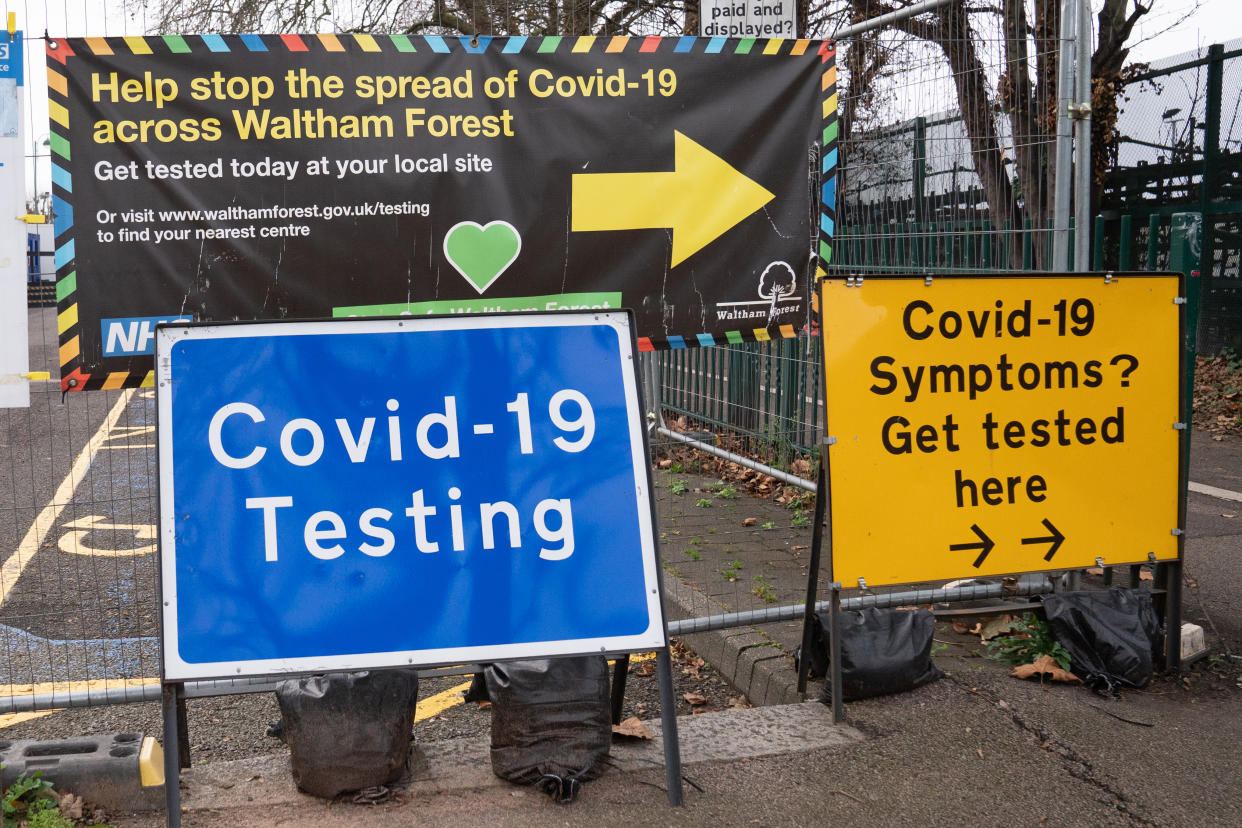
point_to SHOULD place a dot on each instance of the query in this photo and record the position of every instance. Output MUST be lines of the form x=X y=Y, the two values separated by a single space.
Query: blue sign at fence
x=364 y=493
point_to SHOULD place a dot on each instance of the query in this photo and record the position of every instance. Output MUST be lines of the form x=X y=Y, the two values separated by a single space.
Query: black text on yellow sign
x=994 y=425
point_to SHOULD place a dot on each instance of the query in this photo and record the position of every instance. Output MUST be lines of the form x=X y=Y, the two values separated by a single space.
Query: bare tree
x=468 y=17
x=1014 y=80
x=1022 y=91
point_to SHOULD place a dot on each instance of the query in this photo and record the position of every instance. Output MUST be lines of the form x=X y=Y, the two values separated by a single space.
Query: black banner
x=270 y=177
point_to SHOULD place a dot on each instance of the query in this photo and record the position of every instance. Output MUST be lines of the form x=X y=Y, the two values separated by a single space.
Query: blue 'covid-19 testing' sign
x=359 y=493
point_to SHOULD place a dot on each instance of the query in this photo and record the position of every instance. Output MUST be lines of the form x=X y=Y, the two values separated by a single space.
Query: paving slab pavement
x=977 y=747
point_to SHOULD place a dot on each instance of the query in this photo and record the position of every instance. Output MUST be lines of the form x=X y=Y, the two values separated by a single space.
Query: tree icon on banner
x=776 y=282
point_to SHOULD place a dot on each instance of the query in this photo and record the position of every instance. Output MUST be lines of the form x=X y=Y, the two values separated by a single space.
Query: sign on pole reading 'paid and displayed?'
x=461 y=489
x=293 y=177
x=985 y=425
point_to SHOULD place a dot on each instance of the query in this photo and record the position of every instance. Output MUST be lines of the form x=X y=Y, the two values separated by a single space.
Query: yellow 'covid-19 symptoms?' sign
x=985 y=425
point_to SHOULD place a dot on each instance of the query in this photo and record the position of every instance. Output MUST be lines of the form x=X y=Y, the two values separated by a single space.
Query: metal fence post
x=1062 y=193
x=1185 y=236
x=919 y=187
x=1211 y=171
x=1082 y=137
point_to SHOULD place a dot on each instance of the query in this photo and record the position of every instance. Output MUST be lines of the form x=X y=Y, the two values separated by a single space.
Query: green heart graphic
x=482 y=253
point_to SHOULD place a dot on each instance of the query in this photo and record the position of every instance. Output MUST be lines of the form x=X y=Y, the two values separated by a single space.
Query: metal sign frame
x=181 y=345
x=656 y=636
x=980 y=542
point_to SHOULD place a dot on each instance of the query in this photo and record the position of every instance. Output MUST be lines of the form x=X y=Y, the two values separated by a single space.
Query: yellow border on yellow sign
x=986 y=425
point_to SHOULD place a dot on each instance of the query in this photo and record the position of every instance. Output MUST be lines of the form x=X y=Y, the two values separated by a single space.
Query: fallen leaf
x=750 y=521
x=646 y=668
x=1144 y=575
x=799 y=547
x=695 y=699
x=631 y=728
x=740 y=703
x=994 y=625
x=1228 y=515
x=980 y=752
x=961 y=627
x=1095 y=570
x=484 y=705
x=255 y=778
x=1045 y=665
x=71 y=806
x=664 y=464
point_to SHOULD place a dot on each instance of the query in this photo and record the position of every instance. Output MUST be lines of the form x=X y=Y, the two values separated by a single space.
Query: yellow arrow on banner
x=702 y=198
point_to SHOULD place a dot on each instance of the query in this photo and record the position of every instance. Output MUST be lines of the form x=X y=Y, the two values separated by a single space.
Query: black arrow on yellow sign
x=1055 y=539
x=984 y=546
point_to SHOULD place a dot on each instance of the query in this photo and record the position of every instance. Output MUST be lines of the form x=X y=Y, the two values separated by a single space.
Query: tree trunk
x=970 y=82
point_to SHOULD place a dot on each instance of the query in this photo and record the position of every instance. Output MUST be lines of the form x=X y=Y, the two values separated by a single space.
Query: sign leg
x=183 y=729
x=668 y=725
x=1173 y=616
x=812 y=578
x=834 y=656
x=620 y=669
x=172 y=763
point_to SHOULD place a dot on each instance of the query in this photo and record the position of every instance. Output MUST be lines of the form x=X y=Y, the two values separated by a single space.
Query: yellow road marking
x=9 y=719
x=85 y=686
x=12 y=569
x=74 y=542
x=437 y=704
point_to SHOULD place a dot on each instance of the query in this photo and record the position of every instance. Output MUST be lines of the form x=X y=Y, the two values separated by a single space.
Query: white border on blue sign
x=175 y=669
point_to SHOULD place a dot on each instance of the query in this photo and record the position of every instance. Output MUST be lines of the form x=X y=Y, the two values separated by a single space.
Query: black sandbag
x=348 y=731
x=1113 y=636
x=882 y=651
x=817 y=667
x=551 y=722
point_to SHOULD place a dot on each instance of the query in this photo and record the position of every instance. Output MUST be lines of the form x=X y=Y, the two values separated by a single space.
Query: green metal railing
x=759 y=398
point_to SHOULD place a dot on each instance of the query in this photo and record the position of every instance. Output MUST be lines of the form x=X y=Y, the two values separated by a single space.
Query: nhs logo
x=135 y=335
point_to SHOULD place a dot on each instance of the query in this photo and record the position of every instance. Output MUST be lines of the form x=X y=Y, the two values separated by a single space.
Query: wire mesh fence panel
x=735 y=539
x=78 y=587
x=948 y=124
x=946 y=141
x=1179 y=149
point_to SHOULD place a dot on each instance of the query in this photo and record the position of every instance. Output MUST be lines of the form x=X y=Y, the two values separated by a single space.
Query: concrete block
x=710 y=646
x=782 y=686
x=118 y=771
x=757 y=686
x=735 y=642
x=747 y=659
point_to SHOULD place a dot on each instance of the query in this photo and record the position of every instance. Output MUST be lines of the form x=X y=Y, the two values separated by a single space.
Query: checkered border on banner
x=59 y=51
